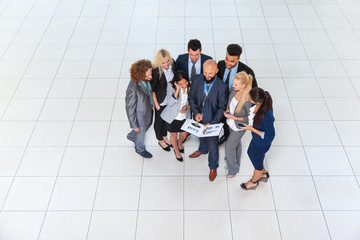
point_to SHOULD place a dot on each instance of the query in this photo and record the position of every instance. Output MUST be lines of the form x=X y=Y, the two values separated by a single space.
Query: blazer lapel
x=212 y=90
x=144 y=89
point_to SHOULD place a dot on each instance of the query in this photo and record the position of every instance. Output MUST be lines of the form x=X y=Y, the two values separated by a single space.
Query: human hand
x=198 y=118
x=183 y=109
x=157 y=106
x=247 y=127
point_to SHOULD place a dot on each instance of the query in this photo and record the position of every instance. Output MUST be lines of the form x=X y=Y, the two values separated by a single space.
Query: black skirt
x=175 y=126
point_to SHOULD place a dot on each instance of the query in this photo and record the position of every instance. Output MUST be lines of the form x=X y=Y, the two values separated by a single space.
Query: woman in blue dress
x=263 y=133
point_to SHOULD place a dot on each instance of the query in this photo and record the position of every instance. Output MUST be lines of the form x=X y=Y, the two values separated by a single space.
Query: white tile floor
x=67 y=170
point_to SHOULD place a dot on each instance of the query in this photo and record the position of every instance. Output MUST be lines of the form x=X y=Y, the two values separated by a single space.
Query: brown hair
x=138 y=70
x=259 y=95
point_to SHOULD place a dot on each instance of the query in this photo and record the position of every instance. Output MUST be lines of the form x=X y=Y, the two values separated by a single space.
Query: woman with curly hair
x=139 y=104
x=163 y=73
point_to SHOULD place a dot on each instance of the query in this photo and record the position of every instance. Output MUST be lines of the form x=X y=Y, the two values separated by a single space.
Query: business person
x=193 y=61
x=208 y=99
x=263 y=133
x=162 y=74
x=237 y=112
x=228 y=68
x=139 y=104
x=177 y=111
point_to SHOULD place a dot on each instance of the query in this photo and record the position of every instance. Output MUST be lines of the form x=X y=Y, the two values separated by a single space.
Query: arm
x=130 y=105
x=191 y=100
x=154 y=82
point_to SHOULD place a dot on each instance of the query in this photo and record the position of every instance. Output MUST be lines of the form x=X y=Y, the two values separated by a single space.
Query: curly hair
x=138 y=70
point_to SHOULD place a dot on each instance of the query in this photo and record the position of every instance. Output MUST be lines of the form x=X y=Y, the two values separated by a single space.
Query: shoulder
x=182 y=57
x=205 y=57
x=220 y=83
x=269 y=115
x=244 y=67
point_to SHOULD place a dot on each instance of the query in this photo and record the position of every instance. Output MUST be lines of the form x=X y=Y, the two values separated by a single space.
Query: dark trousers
x=159 y=124
x=225 y=127
x=210 y=145
x=257 y=155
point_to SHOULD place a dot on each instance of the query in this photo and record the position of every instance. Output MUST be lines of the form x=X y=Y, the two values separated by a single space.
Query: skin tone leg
x=182 y=136
x=173 y=139
x=257 y=175
x=166 y=140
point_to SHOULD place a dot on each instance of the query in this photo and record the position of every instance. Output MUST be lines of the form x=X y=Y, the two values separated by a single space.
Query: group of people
x=196 y=86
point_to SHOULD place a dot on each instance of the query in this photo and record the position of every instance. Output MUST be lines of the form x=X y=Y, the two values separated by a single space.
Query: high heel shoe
x=243 y=185
x=180 y=159
x=265 y=179
x=181 y=150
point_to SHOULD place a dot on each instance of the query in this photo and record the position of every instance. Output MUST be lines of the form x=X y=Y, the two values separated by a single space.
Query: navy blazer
x=267 y=126
x=241 y=67
x=215 y=103
x=182 y=62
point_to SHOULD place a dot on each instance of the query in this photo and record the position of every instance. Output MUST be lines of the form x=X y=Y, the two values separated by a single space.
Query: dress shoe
x=222 y=139
x=230 y=175
x=212 y=174
x=181 y=150
x=180 y=159
x=129 y=138
x=243 y=186
x=145 y=154
x=195 y=154
x=167 y=148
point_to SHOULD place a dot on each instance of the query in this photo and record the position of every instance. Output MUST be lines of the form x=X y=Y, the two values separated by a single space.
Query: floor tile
x=155 y=225
x=15 y=133
x=302 y=224
x=76 y=222
x=109 y=225
x=73 y=193
x=342 y=224
x=21 y=225
x=326 y=134
x=338 y=193
x=41 y=161
x=310 y=109
x=201 y=224
x=245 y=225
x=51 y=134
x=347 y=130
x=59 y=109
x=162 y=193
x=302 y=87
x=110 y=193
x=352 y=154
x=339 y=108
x=88 y=133
x=336 y=87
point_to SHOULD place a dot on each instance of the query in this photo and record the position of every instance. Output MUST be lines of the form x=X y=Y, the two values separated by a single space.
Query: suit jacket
x=215 y=103
x=138 y=105
x=267 y=126
x=182 y=62
x=173 y=108
x=245 y=110
x=241 y=67
x=159 y=84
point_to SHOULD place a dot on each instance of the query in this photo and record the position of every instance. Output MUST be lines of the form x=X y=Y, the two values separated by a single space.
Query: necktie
x=228 y=78
x=193 y=70
x=206 y=93
x=148 y=88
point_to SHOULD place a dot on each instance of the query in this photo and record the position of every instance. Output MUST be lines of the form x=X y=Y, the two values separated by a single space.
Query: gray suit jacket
x=245 y=110
x=138 y=105
x=173 y=108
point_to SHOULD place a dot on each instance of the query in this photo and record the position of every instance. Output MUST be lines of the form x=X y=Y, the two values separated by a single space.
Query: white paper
x=199 y=130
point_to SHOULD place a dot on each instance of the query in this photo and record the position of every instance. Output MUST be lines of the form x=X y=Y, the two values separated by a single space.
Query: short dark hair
x=234 y=50
x=194 y=45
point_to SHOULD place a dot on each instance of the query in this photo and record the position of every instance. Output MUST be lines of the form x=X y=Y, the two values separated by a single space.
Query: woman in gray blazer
x=139 y=104
x=177 y=111
x=237 y=113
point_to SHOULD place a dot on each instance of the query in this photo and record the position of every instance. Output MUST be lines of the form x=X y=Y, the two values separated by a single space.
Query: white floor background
x=68 y=172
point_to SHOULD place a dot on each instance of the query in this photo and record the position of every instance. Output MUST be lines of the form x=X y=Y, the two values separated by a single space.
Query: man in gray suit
x=139 y=104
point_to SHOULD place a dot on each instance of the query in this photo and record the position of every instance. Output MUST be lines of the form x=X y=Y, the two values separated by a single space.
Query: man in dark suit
x=227 y=71
x=208 y=99
x=192 y=62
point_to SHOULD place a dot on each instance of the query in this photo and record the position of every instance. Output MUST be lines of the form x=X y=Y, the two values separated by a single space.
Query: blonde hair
x=159 y=56
x=246 y=79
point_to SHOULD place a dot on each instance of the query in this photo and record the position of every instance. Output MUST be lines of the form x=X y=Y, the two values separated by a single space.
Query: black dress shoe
x=180 y=159
x=181 y=150
x=165 y=148
x=222 y=139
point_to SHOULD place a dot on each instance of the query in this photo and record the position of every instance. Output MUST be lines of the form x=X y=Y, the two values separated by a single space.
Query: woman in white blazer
x=177 y=111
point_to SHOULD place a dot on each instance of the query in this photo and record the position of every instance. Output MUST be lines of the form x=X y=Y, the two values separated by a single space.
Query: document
x=199 y=130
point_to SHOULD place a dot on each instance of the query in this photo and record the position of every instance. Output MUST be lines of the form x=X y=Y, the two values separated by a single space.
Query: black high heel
x=243 y=185
x=181 y=150
x=167 y=149
x=180 y=159
x=265 y=179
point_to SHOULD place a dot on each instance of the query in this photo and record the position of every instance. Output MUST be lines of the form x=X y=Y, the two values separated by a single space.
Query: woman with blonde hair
x=237 y=113
x=162 y=74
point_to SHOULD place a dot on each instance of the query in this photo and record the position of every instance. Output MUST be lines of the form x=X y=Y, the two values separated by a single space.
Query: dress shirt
x=197 y=66
x=232 y=75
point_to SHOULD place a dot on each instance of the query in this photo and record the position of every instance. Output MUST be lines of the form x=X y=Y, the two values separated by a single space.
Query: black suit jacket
x=241 y=67
x=159 y=84
x=182 y=62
